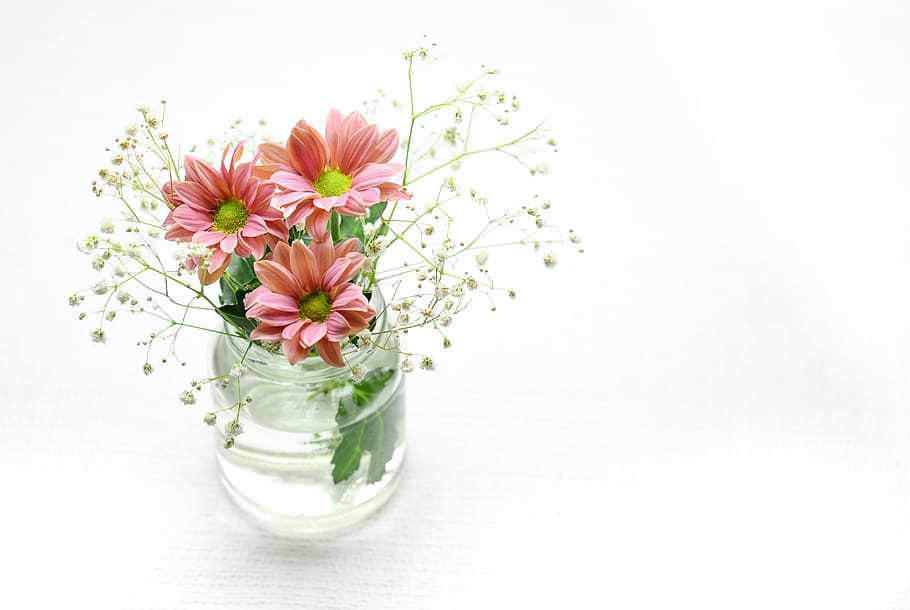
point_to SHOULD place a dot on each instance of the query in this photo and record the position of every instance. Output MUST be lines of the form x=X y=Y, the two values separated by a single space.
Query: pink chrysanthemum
x=229 y=211
x=348 y=171
x=307 y=300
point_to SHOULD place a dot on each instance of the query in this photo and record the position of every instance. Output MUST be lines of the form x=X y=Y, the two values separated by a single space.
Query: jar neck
x=313 y=366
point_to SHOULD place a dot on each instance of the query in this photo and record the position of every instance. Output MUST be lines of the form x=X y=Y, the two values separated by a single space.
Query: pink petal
x=312 y=332
x=374 y=174
x=294 y=350
x=330 y=352
x=206 y=176
x=386 y=146
x=342 y=270
x=358 y=149
x=303 y=266
x=273 y=152
x=337 y=327
x=293 y=329
x=277 y=278
x=293 y=182
x=208 y=238
x=281 y=254
x=229 y=243
x=195 y=196
x=327 y=203
x=279 y=302
x=254 y=226
x=317 y=225
x=191 y=219
x=324 y=250
x=267 y=332
x=307 y=151
x=346 y=247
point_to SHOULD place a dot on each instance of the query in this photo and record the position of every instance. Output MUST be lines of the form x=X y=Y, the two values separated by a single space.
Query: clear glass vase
x=318 y=452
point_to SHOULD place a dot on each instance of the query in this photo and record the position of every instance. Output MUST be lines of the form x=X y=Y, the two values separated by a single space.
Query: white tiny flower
x=107 y=226
x=237 y=370
x=471 y=283
x=187 y=397
x=132 y=249
x=100 y=287
x=364 y=338
x=124 y=297
x=549 y=260
x=119 y=271
x=370 y=229
x=358 y=373
x=98 y=336
x=98 y=263
x=406 y=366
x=445 y=319
x=482 y=258
x=575 y=238
x=110 y=315
x=76 y=299
x=200 y=250
x=154 y=232
x=233 y=428
x=427 y=364
x=87 y=245
x=458 y=290
x=376 y=246
x=210 y=419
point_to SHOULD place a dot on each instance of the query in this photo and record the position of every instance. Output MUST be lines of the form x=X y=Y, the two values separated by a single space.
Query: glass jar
x=318 y=452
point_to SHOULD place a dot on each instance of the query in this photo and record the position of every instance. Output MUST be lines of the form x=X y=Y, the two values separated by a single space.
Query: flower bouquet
x=315 y=253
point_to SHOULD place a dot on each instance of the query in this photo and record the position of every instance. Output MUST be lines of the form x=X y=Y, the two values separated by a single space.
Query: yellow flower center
x=332 y=183
x=315 y=307
x=230 y=216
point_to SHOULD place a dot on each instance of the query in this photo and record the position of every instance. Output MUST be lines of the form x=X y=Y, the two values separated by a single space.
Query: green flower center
x=315 y=307
x=230 y=216
x=332 y=183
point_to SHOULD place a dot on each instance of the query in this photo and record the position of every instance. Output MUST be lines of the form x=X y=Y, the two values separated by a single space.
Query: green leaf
x=382 y=435
x=236 y=316
x=375 y=435
x=346 y=459
x=370 y=386
x=241 y=271
x=352 y=226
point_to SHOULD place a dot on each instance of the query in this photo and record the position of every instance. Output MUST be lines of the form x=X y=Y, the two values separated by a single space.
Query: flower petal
x=312 y=332
x=303 y=266
x=277 y=278
x=307 y=151
x=330 y=352
x=338 y=328
x=374 y=174
x=191 y=219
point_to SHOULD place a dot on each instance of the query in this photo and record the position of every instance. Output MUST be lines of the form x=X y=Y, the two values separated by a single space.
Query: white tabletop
x=708 y=409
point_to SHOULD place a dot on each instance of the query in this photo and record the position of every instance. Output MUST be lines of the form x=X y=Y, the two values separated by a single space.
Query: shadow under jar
x=318 y=452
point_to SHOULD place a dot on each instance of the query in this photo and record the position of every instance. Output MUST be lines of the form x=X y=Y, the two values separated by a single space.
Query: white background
x=705 y=410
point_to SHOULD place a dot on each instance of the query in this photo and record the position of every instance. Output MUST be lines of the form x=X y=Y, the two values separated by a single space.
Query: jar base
x=338 y=521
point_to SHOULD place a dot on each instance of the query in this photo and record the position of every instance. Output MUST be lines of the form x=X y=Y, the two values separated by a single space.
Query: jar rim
x=313 y=365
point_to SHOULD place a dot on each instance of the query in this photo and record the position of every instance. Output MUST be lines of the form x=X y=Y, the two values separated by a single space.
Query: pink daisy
x=229 y=211
x=307 y=300
x=348 y=171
